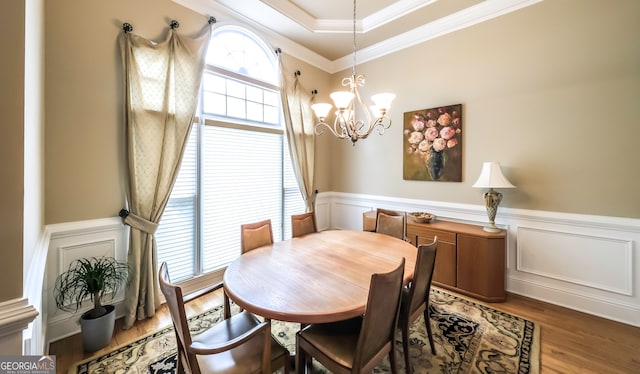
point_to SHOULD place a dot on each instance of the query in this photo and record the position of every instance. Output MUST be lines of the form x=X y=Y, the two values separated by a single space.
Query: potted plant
x=92 y=278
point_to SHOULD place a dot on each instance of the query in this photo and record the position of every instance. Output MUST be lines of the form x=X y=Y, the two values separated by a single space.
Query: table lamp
x=491 y=177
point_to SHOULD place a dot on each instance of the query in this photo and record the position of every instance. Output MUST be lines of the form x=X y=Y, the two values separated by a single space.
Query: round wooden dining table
x=316 y=278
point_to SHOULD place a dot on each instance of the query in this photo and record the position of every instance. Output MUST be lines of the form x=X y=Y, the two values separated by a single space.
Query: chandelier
x=346 y=124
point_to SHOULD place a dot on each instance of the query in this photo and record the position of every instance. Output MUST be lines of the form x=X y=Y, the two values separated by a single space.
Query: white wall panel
x=70 y=241
x=598 y=262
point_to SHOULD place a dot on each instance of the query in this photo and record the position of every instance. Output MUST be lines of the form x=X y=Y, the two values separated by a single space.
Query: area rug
x=469 y=338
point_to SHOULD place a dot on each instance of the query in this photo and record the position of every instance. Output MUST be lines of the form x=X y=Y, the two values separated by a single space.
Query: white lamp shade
x=491 y=177
x=321 y=109
x=342 y=99
x=383 y=100
x=376 y=111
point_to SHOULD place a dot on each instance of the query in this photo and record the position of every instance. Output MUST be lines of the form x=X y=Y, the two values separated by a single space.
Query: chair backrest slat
x=303 y=224
x=255 y=235
x=381 y=315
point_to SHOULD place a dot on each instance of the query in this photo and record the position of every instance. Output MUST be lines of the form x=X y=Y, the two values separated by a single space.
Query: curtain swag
x=298 y=120
x=161 y=89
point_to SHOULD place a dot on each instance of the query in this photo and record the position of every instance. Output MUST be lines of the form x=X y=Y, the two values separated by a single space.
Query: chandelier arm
x=319 y=130
x=361 y=127
x=382 y=124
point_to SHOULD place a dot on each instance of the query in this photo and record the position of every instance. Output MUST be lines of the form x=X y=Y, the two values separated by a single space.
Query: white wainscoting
x=583 y=262
x=69 y=241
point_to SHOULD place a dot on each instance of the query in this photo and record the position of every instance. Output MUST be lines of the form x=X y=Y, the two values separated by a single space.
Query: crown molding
x=468 y=17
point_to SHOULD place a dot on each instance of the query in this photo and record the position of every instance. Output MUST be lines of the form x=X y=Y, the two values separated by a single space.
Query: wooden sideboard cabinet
x=469 y=260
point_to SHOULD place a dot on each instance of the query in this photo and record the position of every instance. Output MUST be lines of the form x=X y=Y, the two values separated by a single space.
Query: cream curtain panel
x=161 y=90
x=298 y=119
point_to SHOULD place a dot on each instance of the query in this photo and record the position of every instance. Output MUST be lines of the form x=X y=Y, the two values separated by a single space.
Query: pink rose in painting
x=431 y=133
x=418 y=125
x=416 y=137
x=432 y=123
x=447 y=132
x=456 y=122
x=444 y=119
x=424 y=145
x=439 y=144
x=452 y=143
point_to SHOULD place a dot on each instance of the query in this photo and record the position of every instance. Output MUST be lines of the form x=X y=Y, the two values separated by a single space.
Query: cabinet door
x=444 y=271
x=481 y=266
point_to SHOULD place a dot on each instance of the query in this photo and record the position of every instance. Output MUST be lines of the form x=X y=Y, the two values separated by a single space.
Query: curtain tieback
x=138 y=222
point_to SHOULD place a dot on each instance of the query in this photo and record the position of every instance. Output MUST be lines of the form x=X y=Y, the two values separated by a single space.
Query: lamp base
x=492 y=200
x=490 y=228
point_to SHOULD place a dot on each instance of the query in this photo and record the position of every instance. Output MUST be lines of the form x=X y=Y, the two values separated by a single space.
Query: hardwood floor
x=571 y=342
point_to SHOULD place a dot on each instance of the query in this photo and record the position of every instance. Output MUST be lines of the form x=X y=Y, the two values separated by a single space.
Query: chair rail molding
x=584 y=262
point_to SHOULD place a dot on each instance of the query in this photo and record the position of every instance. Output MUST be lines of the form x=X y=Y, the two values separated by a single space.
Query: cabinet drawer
x=421 y=231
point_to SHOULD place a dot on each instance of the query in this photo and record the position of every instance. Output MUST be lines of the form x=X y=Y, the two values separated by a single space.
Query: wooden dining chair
x=303 y=224
x=254 y=235
x=239 y=344
x=357 y=345
x=390 y=223
x=415 y=297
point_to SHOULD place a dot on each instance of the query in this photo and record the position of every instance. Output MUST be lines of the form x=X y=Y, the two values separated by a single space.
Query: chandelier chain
x=353 y=68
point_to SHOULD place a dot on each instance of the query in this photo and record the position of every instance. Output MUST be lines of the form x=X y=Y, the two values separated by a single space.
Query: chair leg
x=392 y=360
x=405 y=348
x=227 y=307
x=427 y=322
x=301 y=364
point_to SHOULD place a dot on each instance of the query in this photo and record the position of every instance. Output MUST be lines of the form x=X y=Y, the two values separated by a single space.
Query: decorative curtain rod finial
x=174 y=24
x=127 y=28
x=212 y=20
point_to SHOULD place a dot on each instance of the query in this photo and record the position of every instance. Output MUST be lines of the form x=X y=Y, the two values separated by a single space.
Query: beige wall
x=12 y=18
x=84 y=136
x=551 y=91
x=84 y=131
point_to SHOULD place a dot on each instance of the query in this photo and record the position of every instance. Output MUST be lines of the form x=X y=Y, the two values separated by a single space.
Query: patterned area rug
x=469 y=338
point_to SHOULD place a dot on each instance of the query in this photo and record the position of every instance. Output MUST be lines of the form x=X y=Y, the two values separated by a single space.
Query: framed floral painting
x=433 y=144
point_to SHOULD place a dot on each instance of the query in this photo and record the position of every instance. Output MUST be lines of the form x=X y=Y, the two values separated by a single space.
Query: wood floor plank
x=571 y=341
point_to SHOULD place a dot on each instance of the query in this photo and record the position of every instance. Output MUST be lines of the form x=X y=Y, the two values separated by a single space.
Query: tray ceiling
x=323 y=29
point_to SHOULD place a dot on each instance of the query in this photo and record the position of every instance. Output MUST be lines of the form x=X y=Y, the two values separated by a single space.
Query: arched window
x=236 y=168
